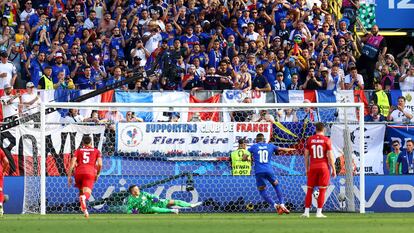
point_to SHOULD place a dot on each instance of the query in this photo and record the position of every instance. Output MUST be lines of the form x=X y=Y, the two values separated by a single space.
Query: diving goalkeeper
x=146 y=203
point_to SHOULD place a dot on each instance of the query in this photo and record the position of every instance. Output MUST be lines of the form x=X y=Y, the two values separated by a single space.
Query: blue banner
x=400 y=133
x=400 y=11
x=219 y=193
x=136 y=97
x=14 y=188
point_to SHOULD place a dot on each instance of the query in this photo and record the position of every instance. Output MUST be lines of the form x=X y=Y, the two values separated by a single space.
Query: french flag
x=295 y=96
x=340 y=96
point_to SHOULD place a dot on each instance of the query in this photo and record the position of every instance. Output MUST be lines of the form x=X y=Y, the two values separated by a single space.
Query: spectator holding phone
x=400 y=113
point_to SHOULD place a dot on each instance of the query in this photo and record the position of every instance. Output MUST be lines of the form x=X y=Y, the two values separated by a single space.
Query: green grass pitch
x=209 y=223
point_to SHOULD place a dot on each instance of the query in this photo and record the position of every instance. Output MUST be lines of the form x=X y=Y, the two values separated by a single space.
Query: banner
x=295 y=96
x=400 y=11
x=171 y=98
x=136 y=97
x=399 y=133
x=238 y=96
x=374 y=143
x=382 y=193
x=22 y=143
x=179 y=138
x=205 y=116
x=340 y=96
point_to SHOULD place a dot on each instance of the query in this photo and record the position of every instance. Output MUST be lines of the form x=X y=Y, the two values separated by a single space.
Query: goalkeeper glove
x=155 y=199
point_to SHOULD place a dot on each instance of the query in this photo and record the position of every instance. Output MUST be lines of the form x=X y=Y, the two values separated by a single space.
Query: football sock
x=308 y=198
x=182 y=203
x=306 y=210
x=161 y=210
x=87 y=195
x=279 y=193
x=319 y=211
x=321 y=197
x=266 y=197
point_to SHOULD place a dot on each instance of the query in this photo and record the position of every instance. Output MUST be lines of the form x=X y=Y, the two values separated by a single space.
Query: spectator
x=335 y=79
x=392 y=157
x=307 y=114
x=312 y=82
x=244 y=81
x=400 y=113
x=140 y=52
x=374 y=115
x=263 y=116
x=405 y=160
x=27 y=12
x=64 y=82
x=260 y=82
x=226 y=73
x=192 y=81
x=294 y=85
x=94 y=118
x=8 y=72
x=407 y=80
x=292 y=37
x=354 y=81
x=10 y=104
x=287 y=115
x=29 y=101
x=130 y=117
x=46 y=82
x=279 y=85
x=58 y=67
x=375 y=46
x=72 y=117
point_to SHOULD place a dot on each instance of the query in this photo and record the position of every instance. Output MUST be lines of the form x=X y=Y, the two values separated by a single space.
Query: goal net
x=184 y=152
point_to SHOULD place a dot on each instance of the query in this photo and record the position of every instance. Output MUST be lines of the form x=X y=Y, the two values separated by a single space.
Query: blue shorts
x=262 y=177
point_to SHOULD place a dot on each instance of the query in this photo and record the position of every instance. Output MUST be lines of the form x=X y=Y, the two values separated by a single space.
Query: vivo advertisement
x=219 y=193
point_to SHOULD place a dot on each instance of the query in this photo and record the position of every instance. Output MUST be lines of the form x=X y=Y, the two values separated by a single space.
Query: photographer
x=312 y=82
x=59 y=22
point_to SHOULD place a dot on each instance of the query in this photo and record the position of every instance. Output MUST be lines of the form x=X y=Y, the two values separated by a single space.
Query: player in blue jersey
x=262 y=152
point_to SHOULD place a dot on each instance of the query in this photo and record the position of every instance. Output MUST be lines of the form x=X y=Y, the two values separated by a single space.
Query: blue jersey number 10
x=263 y=156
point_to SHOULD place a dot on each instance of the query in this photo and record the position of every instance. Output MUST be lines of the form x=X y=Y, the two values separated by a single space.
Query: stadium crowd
x=194 y=45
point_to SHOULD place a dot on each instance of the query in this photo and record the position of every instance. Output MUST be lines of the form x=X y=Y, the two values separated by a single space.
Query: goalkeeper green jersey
x=145 y=202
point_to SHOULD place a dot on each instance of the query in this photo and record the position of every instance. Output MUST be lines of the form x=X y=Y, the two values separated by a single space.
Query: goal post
x=293 y=191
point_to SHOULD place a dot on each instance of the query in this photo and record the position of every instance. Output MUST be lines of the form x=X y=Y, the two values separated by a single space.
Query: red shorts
x=1 y=183
x=84 y=180
x=318 y=177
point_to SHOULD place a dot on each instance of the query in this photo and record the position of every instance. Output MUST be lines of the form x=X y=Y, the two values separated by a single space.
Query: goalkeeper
x=146 y=203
